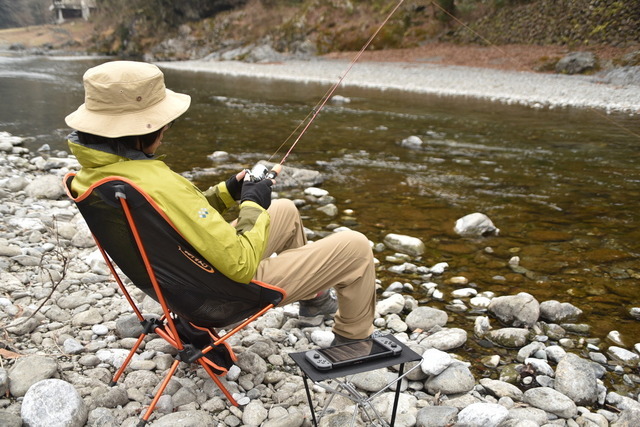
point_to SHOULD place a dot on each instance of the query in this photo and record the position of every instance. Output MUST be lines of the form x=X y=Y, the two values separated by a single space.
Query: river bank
x=617 y=90
x=540 y=366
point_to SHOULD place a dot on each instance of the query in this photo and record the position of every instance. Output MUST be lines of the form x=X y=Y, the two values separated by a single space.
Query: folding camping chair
x=133 y=233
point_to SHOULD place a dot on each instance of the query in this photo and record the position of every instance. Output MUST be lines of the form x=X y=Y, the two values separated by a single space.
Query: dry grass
x=509 y=57
x=67 y=35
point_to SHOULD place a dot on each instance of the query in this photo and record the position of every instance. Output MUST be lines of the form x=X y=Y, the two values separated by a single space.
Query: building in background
x=72 y=9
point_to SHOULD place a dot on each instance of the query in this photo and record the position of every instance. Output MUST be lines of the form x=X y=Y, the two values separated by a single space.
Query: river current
x=562 y=185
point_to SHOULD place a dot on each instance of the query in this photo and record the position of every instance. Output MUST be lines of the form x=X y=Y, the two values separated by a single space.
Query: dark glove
x=234 y=187
x=259 y=192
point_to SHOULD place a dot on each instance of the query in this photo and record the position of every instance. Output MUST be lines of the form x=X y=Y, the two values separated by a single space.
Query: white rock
x=53 y=402
x=464 y=293
x=315 y=192
x=435 y=361
x=446 y=339
x=541 y=366
x=616 y=338
x=114 y=356
x=412 y=142
x=405 y=244
x=482 y=415
x=458 y=280
x=429 y=285
x=475 y=225
x=218 y=156
x=623 y=355
x=393 y=304
x=480 y=302
x=339 y=99
x=322 y=338
x=439 y=268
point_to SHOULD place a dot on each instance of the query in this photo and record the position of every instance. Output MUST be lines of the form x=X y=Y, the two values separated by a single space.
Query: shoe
x=339 y=339
x=315 y=311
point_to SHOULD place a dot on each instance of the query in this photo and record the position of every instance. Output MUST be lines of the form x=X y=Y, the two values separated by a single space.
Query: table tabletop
x=407 y=355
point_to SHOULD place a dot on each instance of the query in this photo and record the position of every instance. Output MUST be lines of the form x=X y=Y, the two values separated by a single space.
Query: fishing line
x=521 y=64
x=320 y=105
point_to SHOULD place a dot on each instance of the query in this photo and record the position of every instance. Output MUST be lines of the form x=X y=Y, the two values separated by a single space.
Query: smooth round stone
x=100 y=329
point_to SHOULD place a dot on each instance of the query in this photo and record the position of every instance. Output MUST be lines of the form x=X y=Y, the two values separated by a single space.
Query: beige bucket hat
x=126 y=98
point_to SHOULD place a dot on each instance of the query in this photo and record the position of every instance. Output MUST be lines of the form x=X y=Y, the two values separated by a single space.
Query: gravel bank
x=609 y=92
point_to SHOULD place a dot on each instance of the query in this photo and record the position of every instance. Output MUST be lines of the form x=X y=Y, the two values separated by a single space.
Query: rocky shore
x=613 y=90
x=65 y=329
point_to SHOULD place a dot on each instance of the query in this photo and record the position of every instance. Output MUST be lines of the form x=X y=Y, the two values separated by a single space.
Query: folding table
x=347 y=389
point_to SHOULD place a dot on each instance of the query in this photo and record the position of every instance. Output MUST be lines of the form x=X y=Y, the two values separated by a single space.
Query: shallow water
x=563 y=186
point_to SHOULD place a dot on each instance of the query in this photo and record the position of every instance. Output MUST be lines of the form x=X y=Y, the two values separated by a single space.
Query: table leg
x=395 y=402
x=306 y=387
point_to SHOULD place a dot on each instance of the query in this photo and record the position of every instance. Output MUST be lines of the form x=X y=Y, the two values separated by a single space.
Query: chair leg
x=124 y=365
x=163 y=386
x=221 y=386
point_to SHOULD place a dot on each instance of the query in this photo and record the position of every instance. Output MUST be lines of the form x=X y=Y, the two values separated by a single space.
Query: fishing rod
x=262 y=173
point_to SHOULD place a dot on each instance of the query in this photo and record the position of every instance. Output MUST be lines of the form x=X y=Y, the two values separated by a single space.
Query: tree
x=447 y=9
x=22 y=13
x=10 y=13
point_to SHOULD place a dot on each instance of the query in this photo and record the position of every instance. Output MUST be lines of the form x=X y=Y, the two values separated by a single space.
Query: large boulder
x=53 y=403
x=576 y=379
x=576 y=63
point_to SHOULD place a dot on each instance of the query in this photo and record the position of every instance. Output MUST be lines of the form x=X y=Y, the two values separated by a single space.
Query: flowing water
x=562 y=185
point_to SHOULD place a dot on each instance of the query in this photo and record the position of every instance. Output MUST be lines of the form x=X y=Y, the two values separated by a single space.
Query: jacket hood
x=97 y=155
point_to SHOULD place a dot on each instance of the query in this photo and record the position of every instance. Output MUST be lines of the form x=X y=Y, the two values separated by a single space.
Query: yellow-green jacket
x=234 y=251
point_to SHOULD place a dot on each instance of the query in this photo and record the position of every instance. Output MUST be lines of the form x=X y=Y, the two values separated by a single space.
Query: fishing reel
x=259 y=172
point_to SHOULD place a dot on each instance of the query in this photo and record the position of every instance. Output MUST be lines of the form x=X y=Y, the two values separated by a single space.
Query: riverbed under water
x=563 y=185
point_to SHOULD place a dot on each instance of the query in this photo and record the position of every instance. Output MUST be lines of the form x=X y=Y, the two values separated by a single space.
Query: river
x=562 y=185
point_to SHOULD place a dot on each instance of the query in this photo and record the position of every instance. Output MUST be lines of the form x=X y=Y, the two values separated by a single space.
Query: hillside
x=515 y=34
x=71 y=36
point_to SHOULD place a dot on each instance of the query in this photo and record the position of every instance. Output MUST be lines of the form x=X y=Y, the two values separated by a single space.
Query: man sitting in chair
x=118 y=129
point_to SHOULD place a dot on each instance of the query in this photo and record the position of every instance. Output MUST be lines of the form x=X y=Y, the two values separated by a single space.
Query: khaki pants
x=342 y=260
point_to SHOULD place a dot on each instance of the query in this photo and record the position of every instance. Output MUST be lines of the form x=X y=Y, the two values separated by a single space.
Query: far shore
x=420 y=70
x=609 y=92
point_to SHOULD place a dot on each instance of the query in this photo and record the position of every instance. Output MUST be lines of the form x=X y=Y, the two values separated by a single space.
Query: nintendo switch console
x=352 y=353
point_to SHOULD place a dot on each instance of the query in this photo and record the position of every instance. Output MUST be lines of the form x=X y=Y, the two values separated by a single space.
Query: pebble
x=615 y=338
x=439 y=268
x=100 y=329
x=464 y=293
